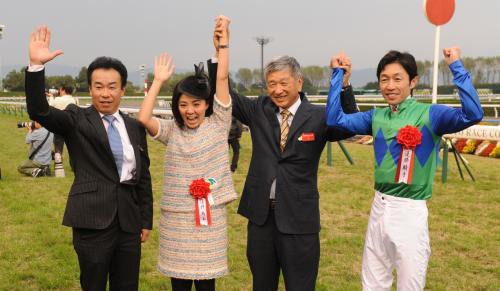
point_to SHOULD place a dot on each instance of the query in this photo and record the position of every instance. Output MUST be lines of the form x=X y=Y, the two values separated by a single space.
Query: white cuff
x=35 y=68
x=214 y=60
x=223 y=105
x=159 y=129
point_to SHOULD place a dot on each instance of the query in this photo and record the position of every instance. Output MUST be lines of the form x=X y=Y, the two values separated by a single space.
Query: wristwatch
x=223 y=46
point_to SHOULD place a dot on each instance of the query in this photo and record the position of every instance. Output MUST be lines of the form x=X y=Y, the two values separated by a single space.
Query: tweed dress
x=188 y=251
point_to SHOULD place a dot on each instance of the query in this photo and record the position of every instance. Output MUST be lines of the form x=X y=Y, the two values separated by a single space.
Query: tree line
x=485 y=72
x=14 y=81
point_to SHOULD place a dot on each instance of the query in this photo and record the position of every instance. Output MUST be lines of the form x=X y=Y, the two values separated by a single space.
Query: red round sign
x=439 y=12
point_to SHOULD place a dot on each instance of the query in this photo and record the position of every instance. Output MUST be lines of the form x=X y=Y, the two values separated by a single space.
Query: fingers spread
x=43 y=33
x=47 y=37
x=38 y=33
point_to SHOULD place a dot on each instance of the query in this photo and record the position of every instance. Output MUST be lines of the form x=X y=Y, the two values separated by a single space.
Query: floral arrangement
x=484 y=149
x=495 y=153
x=470 y=146
x=460 y=144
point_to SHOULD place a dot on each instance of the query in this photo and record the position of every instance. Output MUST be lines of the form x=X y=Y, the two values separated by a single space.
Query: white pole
x=143 y=76
x=2 y=27
x=1 y=76
x=435 y=71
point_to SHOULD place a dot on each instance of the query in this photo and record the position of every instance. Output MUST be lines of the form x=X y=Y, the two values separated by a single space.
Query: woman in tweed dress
x=197 y=148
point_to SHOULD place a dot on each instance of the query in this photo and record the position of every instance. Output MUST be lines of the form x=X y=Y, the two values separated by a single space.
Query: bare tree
x=245 y=76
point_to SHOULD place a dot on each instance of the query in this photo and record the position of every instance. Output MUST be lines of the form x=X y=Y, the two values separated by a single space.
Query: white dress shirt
x=62 y=102
x=129 y=163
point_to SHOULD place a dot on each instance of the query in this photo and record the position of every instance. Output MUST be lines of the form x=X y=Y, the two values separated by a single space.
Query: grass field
x=36 y=252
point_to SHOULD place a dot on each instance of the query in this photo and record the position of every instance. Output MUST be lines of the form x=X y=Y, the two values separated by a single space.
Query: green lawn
x=36 y=252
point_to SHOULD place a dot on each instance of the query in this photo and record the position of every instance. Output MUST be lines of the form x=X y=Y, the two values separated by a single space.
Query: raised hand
x=39 y=52
x=342 y=61
x=222 y=35
x=221 y=31
x=222 y=27
x=451 y=54
x=217 y=36
x=164 y=67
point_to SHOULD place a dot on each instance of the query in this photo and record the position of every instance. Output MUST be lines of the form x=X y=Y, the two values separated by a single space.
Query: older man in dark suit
x=110 y=202
x=280 y=197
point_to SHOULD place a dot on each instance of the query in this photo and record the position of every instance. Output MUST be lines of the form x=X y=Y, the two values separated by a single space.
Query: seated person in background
x=40 y=152
x=407 y=135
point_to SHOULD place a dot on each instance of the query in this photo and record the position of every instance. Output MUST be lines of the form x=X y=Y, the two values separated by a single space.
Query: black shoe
x=37 y=173
x=233 y=168
x=46 y=171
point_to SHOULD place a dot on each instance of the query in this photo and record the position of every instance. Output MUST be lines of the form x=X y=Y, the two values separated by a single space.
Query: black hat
x=196 y=86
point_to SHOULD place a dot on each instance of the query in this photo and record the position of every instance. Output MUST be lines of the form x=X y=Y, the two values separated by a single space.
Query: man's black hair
x=406 y=60
x=107 y=63
x=67 y=89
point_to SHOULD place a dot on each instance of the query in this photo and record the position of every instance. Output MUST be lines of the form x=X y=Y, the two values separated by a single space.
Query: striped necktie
x=285 y=128
x=115 y=142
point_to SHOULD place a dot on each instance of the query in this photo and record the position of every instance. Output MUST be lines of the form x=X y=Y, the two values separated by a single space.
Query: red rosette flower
x=409 y=137
x=199 y=188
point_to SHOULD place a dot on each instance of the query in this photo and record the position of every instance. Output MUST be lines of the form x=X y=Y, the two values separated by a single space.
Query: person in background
x=61 y=102
x=234 y=141
x=40 y=153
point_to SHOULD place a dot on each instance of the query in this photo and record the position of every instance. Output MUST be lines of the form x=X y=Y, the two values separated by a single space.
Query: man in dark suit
x=280 y=197
x=110 y=202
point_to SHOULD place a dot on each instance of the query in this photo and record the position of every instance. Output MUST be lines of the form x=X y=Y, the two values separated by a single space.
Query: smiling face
x=106 y=90
x=283 y=88
x=192 y=111
x=395 y=83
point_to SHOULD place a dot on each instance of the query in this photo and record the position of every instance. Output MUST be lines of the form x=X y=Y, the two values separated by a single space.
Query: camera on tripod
x=27 y=124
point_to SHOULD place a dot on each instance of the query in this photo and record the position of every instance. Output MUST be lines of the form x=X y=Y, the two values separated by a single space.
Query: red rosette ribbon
x=200 y=189
x=408 y=137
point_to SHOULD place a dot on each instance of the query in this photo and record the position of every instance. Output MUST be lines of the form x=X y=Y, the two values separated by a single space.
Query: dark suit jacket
x=96 y=196
x=295 y=170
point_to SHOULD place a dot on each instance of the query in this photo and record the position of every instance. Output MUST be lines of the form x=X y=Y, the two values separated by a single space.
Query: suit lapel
x=270 y=110
x=301 y=116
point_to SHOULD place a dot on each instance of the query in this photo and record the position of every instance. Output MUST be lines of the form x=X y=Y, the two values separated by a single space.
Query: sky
x=312 y=31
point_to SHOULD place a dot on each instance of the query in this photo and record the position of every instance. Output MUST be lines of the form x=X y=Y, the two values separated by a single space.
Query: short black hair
x=67 y=89
x=406 y=60
x=193 y=86
x=107 y=63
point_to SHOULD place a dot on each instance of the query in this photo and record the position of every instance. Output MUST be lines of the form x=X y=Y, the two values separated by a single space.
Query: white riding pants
x=397 y=237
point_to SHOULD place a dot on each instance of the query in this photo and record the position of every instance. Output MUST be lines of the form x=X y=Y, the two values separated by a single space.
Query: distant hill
x=359 y=78
x=59 y=70
x=54 y=70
